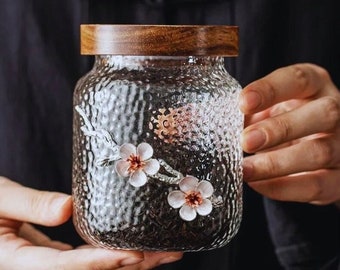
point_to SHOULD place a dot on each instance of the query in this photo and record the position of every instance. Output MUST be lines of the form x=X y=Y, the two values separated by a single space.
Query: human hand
x=292 y=126
x=24 y=247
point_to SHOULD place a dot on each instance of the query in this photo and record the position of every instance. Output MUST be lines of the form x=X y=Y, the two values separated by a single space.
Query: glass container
x=156 y=148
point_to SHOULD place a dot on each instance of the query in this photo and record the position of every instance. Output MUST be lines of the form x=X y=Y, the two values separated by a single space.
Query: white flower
x=136 y=163
x=192 y=198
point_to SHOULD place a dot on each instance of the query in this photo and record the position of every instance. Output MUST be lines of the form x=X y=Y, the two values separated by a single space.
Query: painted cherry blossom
x=136 y=163
x=192 y=198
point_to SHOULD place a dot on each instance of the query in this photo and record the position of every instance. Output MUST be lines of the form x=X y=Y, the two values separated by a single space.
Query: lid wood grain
x=166 y=40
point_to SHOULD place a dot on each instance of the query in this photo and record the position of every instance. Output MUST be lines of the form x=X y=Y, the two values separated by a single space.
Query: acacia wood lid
x=166 y=40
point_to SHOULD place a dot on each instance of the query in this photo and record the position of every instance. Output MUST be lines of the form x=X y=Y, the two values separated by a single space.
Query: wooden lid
x=166 y=40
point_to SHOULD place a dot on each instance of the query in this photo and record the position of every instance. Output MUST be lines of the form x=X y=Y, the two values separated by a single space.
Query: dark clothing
x=40 y=64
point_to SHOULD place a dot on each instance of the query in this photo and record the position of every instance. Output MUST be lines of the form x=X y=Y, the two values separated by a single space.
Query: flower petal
x=187 y=213
x=151 y=166
x=188 y=183
x=122 y=168
x=138 y=178
x=145 y=151
x=204 y=208
x=176 y=198
x=126 y=150
x=205 y=188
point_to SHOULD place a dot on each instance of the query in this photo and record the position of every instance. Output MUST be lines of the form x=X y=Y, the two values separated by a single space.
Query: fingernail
x=60 y=201
x=247 y=169
x=59 y=211
x=131 y=260
x=253 y=140
x=250 y=101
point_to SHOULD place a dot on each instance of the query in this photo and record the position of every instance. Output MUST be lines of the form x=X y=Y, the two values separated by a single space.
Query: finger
x=319 y=187
x=321 y=115
x=8 y=226
x=275 y=110
x=298 y=81
x=96 y=258
x=41 y=258
x=38 y=238
x=151 y=259
x=33 y=206
x=307 y=155
x=154 y=259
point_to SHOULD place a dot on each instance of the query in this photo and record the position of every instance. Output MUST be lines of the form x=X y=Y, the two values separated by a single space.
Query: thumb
x=29 y=205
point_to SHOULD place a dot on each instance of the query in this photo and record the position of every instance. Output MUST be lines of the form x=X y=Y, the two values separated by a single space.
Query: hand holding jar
x=24 y=247
x=292 y=126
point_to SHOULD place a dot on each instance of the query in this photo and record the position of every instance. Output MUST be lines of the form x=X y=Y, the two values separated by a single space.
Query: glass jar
x=156 y=153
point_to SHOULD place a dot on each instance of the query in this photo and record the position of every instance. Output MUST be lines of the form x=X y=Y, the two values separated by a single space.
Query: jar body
x=156 y=153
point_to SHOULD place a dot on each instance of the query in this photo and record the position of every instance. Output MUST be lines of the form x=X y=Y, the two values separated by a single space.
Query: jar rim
x=165 y=40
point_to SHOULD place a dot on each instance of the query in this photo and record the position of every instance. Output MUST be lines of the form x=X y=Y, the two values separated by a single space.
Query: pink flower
x=136 y=163
x=192 y=198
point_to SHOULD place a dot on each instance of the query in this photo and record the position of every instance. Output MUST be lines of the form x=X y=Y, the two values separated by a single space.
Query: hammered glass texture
x=186 y=109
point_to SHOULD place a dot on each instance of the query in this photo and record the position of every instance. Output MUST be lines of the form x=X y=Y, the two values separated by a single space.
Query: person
x=291 y=131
